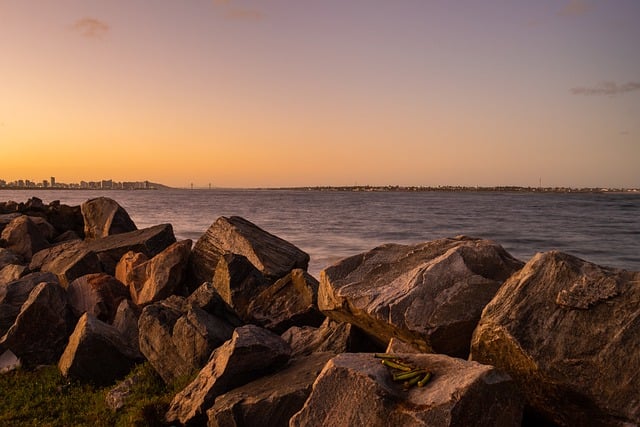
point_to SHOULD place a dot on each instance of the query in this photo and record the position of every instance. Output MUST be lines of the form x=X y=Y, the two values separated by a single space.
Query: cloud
x=575 y=8
x=606 y=89
x=91 y=28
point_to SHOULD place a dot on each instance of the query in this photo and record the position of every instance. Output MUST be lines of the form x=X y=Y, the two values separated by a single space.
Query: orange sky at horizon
x=273 y=93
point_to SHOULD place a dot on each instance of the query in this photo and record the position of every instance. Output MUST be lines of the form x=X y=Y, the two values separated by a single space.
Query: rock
x=568 y=332
x=5 y=219
x=67 y=236
x=71 y=260
x=238 y=282
x=97 y=294
x=430 y=295
x=126 y=322
x=47 y=230
x=7 y=257
x=96 y=353
x=271 y=255
x=331 y=336
x=271 y=400
x=105 y=217
x=11 y=272
x=177 y=338
x=355 y=389
x=159 y=277
x=23 y=237
x=65 y=219
x=398 y=346
x=252 y=352
x=40 y=332
x=291 y=301
x=207 y=298
x=9 y=362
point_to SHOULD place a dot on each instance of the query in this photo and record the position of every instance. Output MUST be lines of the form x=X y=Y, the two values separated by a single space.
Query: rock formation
x=104 y=217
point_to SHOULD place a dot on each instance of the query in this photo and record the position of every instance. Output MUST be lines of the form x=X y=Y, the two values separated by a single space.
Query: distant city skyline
x=102 y=184
x=245 y=94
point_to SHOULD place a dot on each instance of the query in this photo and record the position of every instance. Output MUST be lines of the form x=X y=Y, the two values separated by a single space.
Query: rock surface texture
x=430 y=295
x=568 y=332
x=357 y=390
x=23 y=237
x=104 y=217
x=97 y=294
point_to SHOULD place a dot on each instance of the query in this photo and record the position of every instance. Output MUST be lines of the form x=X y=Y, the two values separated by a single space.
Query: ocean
x=603 y=228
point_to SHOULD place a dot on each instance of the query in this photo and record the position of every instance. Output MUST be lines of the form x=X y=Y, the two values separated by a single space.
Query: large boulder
x=271 y=255
x=207 y=298
x=104 y=217
x=96 y=353
x=126 y=322
x=71 y=260
x=98 y=294
x=178 y=337
x=430 y=295
x=271 y=400
x=6 y=218
x=7 y=258
x=568 y=332
x=291 y=301
x=251 y=352
x=23 y=237
x=157 y=278
x=65 y=218
x=11 y=272
x=14 y=294
x=356 y=389
x=40 y=332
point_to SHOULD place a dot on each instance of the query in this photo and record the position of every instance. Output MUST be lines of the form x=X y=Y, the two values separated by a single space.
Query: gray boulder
x=568 y=332
x=23 y=237
x=271 y=255
x=290 y=301
x=40 y=332
x=104 y=217
x=252 y=352
x=430 y=295
x=271 y=400
x=355 y=389
x=98 y=294
x=96 y=353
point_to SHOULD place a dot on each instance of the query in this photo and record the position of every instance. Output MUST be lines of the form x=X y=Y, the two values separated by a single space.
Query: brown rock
x=291 y=301
x=68 y=261
x=429 y=295
x=271 y=400
x=11 y=272
x=207 y=298
x=14 y=294
x=126 y=322
x=7 y=258
x=271 y=255
x=355 y=389
x=251 y=353
x=238 y=282
x=104 y=217
x=567 y=331
x=97 y=294
x=96 y=353
x=23 y=237
x=47 y=230
x=127 y=270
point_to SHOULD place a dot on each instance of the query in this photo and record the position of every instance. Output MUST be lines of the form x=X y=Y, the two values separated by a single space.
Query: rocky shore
x=450 y=332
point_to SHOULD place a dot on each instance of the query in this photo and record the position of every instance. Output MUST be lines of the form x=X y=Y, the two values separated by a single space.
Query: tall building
x=53 y=181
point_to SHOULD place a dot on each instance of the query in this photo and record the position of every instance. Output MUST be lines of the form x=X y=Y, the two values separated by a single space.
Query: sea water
x=603 y=228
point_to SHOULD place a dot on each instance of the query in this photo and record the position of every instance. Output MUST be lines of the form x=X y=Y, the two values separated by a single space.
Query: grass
x=43 y=397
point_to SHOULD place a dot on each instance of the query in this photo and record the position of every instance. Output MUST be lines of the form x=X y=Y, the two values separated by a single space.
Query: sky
x=281 y=93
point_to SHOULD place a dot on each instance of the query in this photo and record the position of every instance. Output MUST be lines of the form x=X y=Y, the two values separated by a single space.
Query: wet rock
x=429 y=295
x=96 y=353
x=271 y=400
x=271 y=255
x=568 y=332
x=97 y=294
x=252 y=352
x=355 y=389
x=40 y=332
x=238 y=282
x=105 y=217
x=290 y=301
x=23 y=237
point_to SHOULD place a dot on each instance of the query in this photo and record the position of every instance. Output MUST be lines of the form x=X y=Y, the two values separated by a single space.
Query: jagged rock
x=177 y=337
x=14 y=294
x=271 y=255
x=23 y=237
x=157 y=278
x=238 y=282
x=126 y=322
x=96 y=353
x=207 y=298
x=271 y=400
x=47 y=230
x=291 y=301
x=40 y=332
x=65 y=218
x=355 y=389
x=11 y=272
x=67 y=236
x=71 y=260
x=6 y=218
x=105 y=217
x=331 y=336
x=568 y=332
x=251 y=353
x=8 y=362
x=398 y=346
x=7 y=257
x=429 y=295
x=97 y=294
